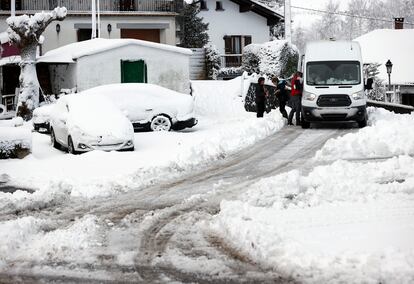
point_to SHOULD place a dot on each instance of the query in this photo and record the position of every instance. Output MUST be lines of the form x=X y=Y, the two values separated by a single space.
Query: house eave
x=247 y=5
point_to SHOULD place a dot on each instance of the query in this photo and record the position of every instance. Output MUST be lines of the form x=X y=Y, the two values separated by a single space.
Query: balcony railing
x=231 y=60
x=106 y=6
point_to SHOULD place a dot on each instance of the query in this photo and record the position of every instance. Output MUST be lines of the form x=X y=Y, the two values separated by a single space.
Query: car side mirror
x=369 y=84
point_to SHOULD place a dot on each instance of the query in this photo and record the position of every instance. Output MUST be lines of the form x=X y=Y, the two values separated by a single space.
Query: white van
x=333 y=84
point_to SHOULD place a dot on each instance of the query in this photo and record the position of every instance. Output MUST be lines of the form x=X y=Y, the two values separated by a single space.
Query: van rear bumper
x=315 y=114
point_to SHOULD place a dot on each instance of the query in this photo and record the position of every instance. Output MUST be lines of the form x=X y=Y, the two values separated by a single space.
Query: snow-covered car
x=84 y=123
x=150 y=107
x=41 y=117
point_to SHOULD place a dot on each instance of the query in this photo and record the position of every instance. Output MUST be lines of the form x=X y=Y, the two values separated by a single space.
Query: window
x=235 y=44
x=6 y=5
x=233 y=48
x=219 y=6
x=126 y=5
x=203 y=5
x=85 y=34
x=333 y=73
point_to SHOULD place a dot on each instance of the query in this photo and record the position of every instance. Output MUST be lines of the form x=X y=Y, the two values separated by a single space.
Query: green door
x=133 y=71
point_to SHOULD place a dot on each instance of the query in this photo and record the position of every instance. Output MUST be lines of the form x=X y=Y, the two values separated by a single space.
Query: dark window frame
x=203 y=5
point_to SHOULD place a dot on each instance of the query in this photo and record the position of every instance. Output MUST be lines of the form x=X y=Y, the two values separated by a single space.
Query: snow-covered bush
x=275 y=58
x=15 y=142
x=213 y=62
x=378 y=88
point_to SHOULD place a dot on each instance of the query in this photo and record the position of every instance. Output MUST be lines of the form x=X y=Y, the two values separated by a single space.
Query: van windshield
x=323 y=73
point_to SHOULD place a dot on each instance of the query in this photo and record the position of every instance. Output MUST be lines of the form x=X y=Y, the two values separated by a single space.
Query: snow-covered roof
x=69 y=53
x=396 y=45
x=275 y=8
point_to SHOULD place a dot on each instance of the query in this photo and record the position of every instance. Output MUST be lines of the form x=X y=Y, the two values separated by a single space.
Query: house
x=151 y=20
x=233 y=24
x=90 y=63
x=9 y=72
x=396 y=45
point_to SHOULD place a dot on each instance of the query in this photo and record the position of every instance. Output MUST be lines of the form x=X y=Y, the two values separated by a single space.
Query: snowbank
x=389 y=134
x=342 y=223
x=224 y=127
x=43 y=241
x=14 y=141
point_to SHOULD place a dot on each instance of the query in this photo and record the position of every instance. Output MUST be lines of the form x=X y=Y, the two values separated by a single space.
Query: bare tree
x=26 y=33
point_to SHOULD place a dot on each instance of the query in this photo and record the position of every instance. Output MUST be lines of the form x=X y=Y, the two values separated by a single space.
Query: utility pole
x=13 y=8
x=99 y=19
x=288 y=21
x=93 y=19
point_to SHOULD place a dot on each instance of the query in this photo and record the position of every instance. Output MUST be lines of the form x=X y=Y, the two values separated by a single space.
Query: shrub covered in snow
x=213 y=62
x=274 y=58
x=15 y=142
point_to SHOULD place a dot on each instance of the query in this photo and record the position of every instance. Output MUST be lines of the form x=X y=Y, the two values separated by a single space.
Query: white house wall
x=68 y=32
x=232 y=22
x=165 y=68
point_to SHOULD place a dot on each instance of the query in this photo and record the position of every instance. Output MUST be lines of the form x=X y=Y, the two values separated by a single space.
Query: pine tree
x=193 y=31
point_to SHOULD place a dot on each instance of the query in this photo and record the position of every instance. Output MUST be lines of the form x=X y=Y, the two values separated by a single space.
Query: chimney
x=398 y=23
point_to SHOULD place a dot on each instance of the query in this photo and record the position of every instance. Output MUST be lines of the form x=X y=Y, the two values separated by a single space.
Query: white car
x=41 y=117
x=150 y=107
x=84 y=123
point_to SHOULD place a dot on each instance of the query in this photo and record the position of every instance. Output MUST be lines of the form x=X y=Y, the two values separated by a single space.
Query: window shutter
x=227 y=45
x=247 y=40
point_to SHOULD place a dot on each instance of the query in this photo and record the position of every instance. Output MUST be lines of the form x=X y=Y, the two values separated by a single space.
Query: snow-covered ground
x=345 y=222
x=224 y=127
x=388 y=135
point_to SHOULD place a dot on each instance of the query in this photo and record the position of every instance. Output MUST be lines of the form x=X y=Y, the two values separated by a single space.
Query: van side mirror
x=369 y=84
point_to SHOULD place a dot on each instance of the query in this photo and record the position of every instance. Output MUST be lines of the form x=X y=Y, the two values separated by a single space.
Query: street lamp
x=389 y=70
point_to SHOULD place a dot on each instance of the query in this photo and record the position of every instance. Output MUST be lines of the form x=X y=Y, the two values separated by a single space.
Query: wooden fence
x=198 y=64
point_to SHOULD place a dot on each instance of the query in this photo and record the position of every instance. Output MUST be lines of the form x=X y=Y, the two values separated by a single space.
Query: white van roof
x=333 y=50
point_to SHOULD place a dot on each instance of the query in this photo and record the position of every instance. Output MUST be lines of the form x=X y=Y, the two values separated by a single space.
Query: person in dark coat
x=261 y=94
x=296 y=98
x=282 y=95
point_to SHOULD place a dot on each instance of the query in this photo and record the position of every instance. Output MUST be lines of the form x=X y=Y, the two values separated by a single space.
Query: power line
x=349 y=15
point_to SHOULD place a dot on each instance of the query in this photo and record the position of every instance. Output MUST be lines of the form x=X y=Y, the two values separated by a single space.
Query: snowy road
x=150 y=235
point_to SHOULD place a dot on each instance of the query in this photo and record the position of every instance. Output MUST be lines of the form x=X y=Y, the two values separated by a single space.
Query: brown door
x=148 y=35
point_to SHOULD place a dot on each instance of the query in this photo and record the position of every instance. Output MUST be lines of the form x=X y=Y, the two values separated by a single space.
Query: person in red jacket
x=296 y=98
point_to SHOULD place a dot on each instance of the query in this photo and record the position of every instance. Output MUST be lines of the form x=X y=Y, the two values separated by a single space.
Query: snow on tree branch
x=28 y=28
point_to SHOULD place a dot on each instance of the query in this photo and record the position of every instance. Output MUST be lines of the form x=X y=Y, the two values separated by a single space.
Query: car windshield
x=323 y=73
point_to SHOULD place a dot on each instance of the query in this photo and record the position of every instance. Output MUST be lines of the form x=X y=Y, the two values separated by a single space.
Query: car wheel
x=305 y=124
x=161 y=123
x=71 y=148
x=53 y=139
x=36 y=127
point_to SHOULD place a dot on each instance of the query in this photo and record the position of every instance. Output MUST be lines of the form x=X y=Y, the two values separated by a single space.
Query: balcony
x=231 y=60
x=84 y=6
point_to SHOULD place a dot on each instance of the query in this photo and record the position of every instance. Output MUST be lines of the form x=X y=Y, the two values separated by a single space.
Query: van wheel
x=305 y=124
x=363 y=123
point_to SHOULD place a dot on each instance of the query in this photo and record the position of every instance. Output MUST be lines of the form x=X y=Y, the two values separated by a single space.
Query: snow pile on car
x=389 y=134
x=341 y=223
